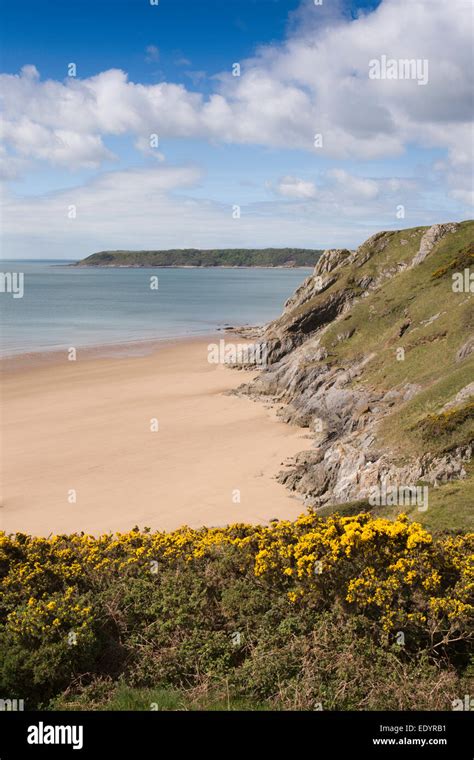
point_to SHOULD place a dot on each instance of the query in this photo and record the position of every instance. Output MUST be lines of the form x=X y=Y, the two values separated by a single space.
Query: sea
x=62 y=306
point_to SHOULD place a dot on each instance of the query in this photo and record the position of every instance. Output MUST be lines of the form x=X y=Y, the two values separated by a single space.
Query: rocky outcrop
x=430 y=239
x=319 y=301
x=346 y=462
x=461 y=397
x=320 y=280
x=466 y=349
x=331 y=259
x=330 y=397
x=310 y=308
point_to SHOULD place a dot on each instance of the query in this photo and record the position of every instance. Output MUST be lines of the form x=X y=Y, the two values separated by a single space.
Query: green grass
x=410 y=299
x=450 y=507
x=347 y=509
x=464 y=259
x=453 y=427
x=402 y=431
x=397 y=315
x=125 y=698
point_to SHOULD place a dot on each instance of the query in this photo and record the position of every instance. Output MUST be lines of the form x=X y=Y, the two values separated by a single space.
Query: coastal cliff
x=373 y=354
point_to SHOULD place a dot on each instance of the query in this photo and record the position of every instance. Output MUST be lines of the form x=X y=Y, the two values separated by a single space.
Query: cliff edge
x=373 y=354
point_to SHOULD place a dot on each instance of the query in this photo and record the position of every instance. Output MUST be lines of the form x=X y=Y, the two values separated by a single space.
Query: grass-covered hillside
x=226 y=257
x=375 y=354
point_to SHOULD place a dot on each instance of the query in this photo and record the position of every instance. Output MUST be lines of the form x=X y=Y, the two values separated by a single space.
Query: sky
x=136 y=124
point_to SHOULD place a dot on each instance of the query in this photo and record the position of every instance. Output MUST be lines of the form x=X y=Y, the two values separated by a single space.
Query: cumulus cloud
x=316 y=81
x=155 y=207
x=337 y=186
x=354 y=186
x=292 y=187
x=61 y=147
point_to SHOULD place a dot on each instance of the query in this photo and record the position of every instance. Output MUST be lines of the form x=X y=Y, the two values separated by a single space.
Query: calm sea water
x=64 y=306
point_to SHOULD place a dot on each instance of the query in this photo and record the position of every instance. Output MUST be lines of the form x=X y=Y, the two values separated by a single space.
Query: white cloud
x=292 y=187
x=152 y=54
x=315 y=82
x=60 y=147
x=155 y=208
x=336 y=186
x=354 y=186
x=196 y=77
x=182 y=61
x=464 y=196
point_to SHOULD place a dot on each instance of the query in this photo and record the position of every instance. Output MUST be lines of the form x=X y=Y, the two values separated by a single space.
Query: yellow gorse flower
x=392 y=569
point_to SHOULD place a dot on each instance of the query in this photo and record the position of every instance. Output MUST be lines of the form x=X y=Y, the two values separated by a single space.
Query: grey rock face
x=331 y=259
x=340 y=410
x=431 y=238
x=310 y=288
x=460 y=398
x=465 y=350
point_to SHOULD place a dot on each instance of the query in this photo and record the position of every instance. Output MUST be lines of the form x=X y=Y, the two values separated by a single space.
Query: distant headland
x=215 y=257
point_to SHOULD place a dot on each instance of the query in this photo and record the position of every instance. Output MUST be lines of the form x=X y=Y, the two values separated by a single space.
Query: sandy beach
x=79 y=452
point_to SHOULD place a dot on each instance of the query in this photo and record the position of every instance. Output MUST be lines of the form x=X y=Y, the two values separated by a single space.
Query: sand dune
x=85 y=427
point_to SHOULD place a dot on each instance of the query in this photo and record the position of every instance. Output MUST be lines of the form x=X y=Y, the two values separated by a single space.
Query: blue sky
x=228 y=141
x=103 y=34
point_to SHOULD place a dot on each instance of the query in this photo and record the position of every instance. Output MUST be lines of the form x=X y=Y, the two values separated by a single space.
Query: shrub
x=288 y=615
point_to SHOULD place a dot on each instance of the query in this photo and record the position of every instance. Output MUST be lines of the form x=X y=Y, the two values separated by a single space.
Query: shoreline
x=122 y=349
x=182 y=266
x=81 y=430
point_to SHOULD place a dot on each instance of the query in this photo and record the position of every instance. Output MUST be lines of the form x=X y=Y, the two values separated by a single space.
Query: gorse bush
x=451 y=428
x=464 y=258
x=339 y=612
